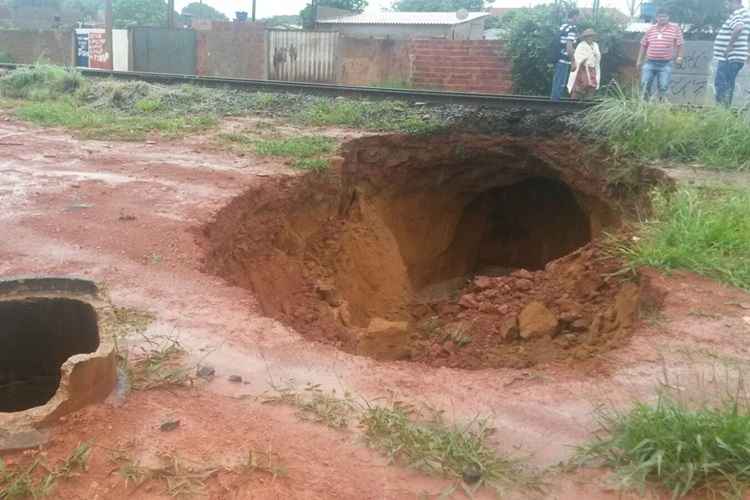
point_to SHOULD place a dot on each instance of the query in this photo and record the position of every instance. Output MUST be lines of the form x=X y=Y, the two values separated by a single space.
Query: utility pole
x=108 y=31
x=596 y=10
x=170 y=14
x=253 y=17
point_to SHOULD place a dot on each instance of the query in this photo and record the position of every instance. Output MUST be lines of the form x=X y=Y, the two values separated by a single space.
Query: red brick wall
x=236 y=50
x=467 y=66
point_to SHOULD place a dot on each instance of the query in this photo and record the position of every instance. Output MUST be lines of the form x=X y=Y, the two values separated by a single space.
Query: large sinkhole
x=401 y=229
x=37 y=335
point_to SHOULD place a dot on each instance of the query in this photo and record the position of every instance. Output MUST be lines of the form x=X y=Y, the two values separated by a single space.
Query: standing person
x=731 y=51
x=567 y=39
x=659 y=46
x=584 y=80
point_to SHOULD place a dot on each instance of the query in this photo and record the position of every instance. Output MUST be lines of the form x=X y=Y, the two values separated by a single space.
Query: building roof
x=439 y=18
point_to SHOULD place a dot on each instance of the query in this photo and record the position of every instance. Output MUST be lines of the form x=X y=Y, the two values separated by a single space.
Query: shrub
x=40 y=82
x=718 y=137
x=704 y=231
x=681 y=448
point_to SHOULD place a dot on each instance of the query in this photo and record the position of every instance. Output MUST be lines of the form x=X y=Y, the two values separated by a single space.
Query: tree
x=698 y=17
x=308 y=17
x=531 y=34
x=441 y=5
x=282 y=21
x=202 y=11
x=127 y=13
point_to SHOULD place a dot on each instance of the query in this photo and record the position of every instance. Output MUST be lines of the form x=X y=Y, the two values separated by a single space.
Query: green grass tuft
x=383 y=116
x=435 y=447
x=295 y=147
x=717 y=137
x=40 y=82
x=705 y=231
x=677 y=447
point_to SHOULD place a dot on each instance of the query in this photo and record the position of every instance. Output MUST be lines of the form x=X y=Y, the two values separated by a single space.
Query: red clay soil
x=375 y=256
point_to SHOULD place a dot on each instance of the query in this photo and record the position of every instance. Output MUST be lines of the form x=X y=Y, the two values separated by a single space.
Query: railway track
x=330 y=90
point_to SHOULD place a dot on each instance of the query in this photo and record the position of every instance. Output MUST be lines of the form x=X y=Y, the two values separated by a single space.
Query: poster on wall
x=91 y=49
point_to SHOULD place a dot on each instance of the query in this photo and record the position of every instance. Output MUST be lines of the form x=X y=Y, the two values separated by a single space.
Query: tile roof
x=440 y=18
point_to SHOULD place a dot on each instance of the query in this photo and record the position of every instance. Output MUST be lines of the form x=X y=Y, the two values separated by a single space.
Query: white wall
x=120 y=50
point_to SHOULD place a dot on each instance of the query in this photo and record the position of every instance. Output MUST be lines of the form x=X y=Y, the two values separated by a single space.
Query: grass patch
x=38 y=479
x=716 y=137
x=384 y=116
x=304 y=147
x=314 y=405
x=436 y=447
x=678 y=447
x=705 y=231
x=105 y=124
x=40 y=82
x=158 y=366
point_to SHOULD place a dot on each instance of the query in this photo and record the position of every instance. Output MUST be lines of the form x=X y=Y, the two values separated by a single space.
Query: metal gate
x=302 y=56
x=161 y=50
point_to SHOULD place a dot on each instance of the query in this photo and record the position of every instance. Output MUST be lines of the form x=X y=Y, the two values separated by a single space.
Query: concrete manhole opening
x=462 y=251
x=57 y=353
x=38 y=336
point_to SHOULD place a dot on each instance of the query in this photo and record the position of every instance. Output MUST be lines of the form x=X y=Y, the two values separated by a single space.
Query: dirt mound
x=443 y=250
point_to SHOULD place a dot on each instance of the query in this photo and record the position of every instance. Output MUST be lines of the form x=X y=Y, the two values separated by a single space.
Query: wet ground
x=127 y=215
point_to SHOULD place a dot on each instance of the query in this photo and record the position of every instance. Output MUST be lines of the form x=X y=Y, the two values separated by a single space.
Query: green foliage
x=370 y=115
x=40 y=82
x=529 y=34
x=273 y=21
x=5 y=57
x=127 y=13
x=107 y=124
x=700 y=16
x=307 y=14
x=437 y=447
x=718 y=137
x=441 y=5
x=203 y=11
x=707 y=232
x=679 y=447
x=315 y=405
x=295 y=147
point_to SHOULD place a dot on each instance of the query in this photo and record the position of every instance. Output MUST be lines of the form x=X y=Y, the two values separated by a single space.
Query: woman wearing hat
x=584 y=81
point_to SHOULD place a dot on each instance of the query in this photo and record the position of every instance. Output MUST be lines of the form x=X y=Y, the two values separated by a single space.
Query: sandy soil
x=126 y=215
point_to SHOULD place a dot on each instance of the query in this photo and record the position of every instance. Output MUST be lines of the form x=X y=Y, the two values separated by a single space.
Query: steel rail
x=331 y=90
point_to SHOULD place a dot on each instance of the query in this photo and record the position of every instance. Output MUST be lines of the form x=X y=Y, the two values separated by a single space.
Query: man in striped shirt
x=564 y=58
x=659 y=46
x=731 y=51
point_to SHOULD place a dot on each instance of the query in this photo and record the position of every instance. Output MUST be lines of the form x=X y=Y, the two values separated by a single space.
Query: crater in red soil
x=457 y=250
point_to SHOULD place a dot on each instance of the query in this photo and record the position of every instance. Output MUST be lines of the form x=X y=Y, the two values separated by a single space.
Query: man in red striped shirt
x=659 y=46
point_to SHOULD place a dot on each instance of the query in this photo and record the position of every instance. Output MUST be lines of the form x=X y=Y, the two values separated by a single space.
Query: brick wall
x=467 y=66
x=27 y=47
x=371 y=61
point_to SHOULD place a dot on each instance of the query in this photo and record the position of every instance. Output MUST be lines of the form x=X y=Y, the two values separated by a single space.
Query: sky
x=267 y=8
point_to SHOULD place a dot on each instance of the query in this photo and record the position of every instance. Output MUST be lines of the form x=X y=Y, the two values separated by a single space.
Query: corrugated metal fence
x=161 y=50
x=302 y=56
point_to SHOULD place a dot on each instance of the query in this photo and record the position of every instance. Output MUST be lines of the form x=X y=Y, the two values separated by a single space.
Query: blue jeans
x=726 y=75
x=661 y=71
x=562 y=72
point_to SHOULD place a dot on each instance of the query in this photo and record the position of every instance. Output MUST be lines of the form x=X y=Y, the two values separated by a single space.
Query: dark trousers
x=726 y=76
x=562 y=72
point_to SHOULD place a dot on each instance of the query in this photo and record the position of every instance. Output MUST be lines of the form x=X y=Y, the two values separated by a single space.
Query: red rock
x=536 y=320
x=483 y=282
x=523 y=274
x=523 y=285
x=503 y=309
x=468 y=301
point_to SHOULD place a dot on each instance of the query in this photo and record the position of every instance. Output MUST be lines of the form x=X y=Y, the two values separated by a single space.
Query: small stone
x=579 y=325
x=235 y=378
x=206 y=372
x=523 y=274
x=471 y=474
x=169 y=425
x=569 y=317
x=487 y=307
x=468 y=301
x=503 y=309
x=483 y=282
x=524 y=285
x=449 y=346
x=536 y=320
x=508 y=328
x=385 y=340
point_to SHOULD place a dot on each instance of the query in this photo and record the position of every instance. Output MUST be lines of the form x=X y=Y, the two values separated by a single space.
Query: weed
x=718 y=137
x=305 y=147
x=435 y=447
x=707 y=232
x=133 y=320
x=264 y=462
x=370 y=115
x=315 y=405
x=159 y=366
x=311 y=164
x=17 y=485
x=679 y=447
x=40 y=82
x=459 y=334
x=148 y=105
